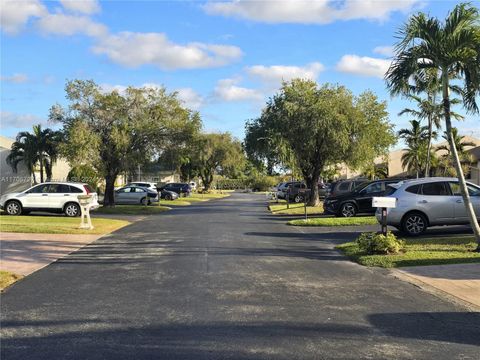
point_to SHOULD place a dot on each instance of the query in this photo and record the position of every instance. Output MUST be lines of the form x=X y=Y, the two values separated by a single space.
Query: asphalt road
x=225 y=280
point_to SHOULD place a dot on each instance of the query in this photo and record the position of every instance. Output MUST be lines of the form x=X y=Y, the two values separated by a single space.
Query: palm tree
x=452 y=48
x=39 y=147
x=24 y=150
x=463 y=154
x=415 y=155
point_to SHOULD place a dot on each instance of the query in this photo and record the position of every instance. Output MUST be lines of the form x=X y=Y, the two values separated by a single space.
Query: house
x=395 y=168
x=393 y=162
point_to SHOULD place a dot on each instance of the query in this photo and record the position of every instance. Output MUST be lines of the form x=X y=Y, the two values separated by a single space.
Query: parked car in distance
x=297 y=192
x=179 y=188
x=148 y=185
x=283 y=187
x=344 y=186
x=357 y=201
x=168 y=195
x=131 y=194
x=56 y=197
x=193 y=185
x=426 y=202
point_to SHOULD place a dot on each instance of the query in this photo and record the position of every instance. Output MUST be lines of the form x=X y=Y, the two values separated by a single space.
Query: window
x=389 y=190
x=413 y=189
x=38 y=189
x=435 y=188
x=125 y=190
x=74 y=189
x=345 y=186
x=62 y=188
x=138 y=190
x=357 y=184
x=372 y=188
x=472 y=190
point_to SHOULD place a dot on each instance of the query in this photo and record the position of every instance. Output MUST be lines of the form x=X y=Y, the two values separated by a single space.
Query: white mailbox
x=384 y=202
x=86 y=202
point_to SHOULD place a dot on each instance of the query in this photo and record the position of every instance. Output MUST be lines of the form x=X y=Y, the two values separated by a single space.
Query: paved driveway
x=225 y=280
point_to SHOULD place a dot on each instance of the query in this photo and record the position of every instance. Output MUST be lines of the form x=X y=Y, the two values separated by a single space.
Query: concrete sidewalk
x=24 y=253
x=459 y=281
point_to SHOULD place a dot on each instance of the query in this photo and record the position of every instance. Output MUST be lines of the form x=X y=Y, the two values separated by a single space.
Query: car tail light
x=86 y=189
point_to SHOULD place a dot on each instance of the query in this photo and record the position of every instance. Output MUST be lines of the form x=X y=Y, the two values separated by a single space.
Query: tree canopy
x=322 y=126
x=114 y=132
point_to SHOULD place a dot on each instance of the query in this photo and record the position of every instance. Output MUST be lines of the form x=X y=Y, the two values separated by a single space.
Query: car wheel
x=298 y=199
x=72 y=210
x=144 y=201
x=168 y=197
x=348 y=210
x=414 y=224
x=13 y=208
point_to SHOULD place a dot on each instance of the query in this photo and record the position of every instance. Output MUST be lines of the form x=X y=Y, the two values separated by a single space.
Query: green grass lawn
x=420 y=251
x=132 y=209
x=57 y=225
x=176 y=202
x=334 y=221
x=294 y=209
x=8 y=278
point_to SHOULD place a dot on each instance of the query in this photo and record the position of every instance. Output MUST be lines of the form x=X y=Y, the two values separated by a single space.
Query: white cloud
x=227 y=90
x=81 y=6
x=15 y=14
x=12 y=120
x=62 y=24
x=136 y=49
x=364 y=66
x=384 y=50
x=15 y=78
x=308 y=12
x=190 y=98
x=274 y=75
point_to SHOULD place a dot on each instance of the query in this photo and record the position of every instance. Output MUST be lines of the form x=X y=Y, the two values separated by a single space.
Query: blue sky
x=224 y=58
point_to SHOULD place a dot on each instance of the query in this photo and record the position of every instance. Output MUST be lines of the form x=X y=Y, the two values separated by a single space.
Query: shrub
x=262 y=182
x=374 y=243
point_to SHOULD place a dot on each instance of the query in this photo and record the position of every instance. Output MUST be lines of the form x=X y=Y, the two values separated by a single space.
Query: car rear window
x=74 y=189
x=345 y=186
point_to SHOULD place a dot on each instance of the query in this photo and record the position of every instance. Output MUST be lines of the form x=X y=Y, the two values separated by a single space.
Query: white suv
x=51 y=197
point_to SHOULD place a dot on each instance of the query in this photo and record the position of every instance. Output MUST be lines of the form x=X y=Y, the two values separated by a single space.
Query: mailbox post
x=85 y=204
x=384 y=203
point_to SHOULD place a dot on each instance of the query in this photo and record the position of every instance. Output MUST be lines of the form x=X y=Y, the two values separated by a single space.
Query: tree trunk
x=41 y=168
x=429 y=146
x=109 y=198
x=456 y=160
x=207 y=180
x=312 y=184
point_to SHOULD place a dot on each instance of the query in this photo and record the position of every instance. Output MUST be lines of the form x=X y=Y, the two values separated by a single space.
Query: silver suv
x=429 y=202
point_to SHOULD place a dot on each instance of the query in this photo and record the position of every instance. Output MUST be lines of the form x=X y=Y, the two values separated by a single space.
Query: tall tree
x=452 y=48
x=216 y=153
x=414 y=158
x=111 y=131
x=325 y=126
